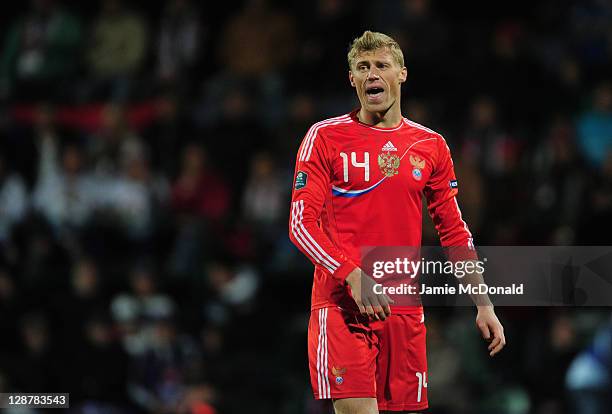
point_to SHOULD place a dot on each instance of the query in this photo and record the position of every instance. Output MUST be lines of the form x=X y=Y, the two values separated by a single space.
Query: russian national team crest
x=338 y=373
x=389 y=163
x=417 y=165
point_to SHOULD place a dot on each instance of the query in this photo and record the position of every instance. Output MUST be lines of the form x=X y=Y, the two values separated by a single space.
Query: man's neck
x=387 y=119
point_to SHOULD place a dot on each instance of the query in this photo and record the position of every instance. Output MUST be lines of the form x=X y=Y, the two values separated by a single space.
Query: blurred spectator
x=135 y=195
x=136 y=311
x=118 y=46
x=13 y=200
x=596 y=225
x=560 y=183
x=255 y=46
x=168 y=134
x=549 y=357
x=444 y=370
x=199 y=191
x=40 y=49
x=589 y=378
x=325 y=32
x=161 y=375
x=497 y=153
x=589 y=23
x=257 y=41
x=113 y=142
x=264 y=193
x=100 y=367
x=65 y=194
x=200 y=200
x=180 y=38
x=233 y=289
x=34 y=366
x=85 y=298
x=486 y=141
x=240 y=125
x=39 y=257
x=595 y=127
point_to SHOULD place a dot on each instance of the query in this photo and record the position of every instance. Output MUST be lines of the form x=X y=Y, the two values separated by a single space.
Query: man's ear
x=351 y=79
x=403 y=75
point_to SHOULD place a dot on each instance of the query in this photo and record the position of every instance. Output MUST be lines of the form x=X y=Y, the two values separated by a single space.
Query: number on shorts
x=422 y=376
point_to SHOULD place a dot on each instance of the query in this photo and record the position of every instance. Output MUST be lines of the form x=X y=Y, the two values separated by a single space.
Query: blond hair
x=371 y=41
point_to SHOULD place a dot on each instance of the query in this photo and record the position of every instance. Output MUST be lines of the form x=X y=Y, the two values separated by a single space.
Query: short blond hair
x=371 y=41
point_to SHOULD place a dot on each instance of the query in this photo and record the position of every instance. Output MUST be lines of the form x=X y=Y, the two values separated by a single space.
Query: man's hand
x=376 y=306
x=491 y=329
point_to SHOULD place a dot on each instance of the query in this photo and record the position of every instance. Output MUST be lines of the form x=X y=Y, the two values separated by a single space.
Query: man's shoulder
x=331 y=124
x=421 y=130
x=320 y=130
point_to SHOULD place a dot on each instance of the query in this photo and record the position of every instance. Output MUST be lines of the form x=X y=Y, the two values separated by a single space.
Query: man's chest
x=396 y=162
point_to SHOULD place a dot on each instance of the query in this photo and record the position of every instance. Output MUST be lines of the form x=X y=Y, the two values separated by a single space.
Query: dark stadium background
x=145 y=180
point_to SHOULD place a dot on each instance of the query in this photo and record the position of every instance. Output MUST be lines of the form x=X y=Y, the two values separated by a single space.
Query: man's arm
x=311 y=182
x=311 y=185
x=455 y=237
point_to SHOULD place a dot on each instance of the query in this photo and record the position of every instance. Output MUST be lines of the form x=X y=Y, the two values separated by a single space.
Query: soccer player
x=359 y=180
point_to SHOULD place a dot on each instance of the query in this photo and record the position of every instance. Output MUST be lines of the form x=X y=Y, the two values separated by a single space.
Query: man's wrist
x=353 y=276
x=343 y=271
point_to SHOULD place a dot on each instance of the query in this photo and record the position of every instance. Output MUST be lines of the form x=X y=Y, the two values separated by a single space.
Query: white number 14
x=365 y=165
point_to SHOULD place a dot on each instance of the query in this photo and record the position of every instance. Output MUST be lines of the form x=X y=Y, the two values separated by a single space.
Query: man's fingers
x=484 y=331
x=380 y=313
x=362 y=309
x=497 y=336
x=371 y=312
x=361 y=306
x=499 y=342
x=494 y=343
x=378 y=303
x=498 y=348
x=387 y=310
x=386 y=307
x=369 y=309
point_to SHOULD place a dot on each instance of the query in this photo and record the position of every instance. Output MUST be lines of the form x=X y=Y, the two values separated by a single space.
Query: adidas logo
x=389 y=147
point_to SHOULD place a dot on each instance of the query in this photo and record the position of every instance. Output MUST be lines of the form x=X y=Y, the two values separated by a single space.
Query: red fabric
x=350 y=357
x=332 y=229
x=401 y=356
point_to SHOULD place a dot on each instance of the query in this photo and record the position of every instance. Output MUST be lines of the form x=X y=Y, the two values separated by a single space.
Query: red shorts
x=351 y=357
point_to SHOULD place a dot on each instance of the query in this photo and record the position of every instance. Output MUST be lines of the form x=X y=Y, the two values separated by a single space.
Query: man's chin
x=376 y=107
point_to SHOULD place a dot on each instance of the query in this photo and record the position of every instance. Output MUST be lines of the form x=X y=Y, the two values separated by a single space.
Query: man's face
x=377 y=77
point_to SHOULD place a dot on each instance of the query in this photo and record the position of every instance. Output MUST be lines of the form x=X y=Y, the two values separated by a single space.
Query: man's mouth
x=374 y=94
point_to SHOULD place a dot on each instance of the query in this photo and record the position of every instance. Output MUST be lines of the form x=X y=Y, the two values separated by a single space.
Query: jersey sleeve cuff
x=343 y=271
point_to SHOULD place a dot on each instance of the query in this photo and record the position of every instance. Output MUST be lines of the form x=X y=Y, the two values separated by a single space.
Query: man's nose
x=373 y=74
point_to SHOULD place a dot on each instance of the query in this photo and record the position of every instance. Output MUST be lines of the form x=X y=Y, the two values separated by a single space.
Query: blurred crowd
x=146 y=160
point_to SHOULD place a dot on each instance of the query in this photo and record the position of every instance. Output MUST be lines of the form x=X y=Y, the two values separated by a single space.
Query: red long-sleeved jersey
x=356 y=185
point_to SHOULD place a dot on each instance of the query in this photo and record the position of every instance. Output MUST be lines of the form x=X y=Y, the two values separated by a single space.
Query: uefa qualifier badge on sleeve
x=301 y=178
